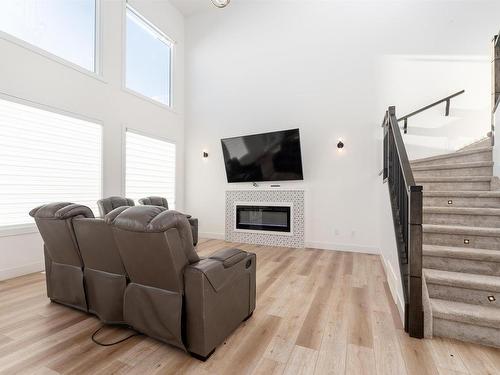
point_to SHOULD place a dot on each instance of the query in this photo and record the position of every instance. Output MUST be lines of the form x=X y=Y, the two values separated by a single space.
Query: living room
x=242 y=146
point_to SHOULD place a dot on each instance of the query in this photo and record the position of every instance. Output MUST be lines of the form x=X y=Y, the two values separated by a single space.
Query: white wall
x=261 y=66
x=411 y=82
x=33 y=77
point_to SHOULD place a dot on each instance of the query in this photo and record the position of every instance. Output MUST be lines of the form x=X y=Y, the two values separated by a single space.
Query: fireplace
x=264 y=218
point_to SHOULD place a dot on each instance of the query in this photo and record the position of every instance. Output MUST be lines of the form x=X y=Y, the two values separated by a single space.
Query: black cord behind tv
x=273 y=156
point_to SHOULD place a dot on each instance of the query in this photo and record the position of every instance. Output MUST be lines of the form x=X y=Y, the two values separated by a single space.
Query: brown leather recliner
x=160 y=201
x=174 y=296
x=104 y=274
x=107 y=205
x=63 y=261
x=154 y=201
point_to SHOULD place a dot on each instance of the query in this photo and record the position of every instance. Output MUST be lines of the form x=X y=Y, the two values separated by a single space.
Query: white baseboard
x=25 y=269
x=342 y=247
x=211 y=235
x=392 y=280
x=313 y=244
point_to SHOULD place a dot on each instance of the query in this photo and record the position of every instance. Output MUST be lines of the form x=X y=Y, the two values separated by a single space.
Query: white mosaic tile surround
x=296 y=197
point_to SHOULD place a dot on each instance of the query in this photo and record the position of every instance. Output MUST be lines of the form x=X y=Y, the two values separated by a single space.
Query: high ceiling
x=188 y=7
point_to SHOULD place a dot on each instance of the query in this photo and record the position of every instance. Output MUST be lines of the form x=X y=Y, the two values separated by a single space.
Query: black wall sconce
x=205 y=154
x=340 y=145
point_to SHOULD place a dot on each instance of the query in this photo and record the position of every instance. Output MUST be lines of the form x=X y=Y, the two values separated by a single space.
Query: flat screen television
x=271 y=156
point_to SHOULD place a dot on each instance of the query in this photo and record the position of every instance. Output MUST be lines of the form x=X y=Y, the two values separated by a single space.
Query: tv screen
x=263 y=157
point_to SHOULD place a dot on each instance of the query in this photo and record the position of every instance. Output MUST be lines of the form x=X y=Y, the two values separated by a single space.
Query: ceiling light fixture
x=221 y=3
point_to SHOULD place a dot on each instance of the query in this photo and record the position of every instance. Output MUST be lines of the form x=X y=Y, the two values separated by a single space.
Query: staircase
x=461 y=243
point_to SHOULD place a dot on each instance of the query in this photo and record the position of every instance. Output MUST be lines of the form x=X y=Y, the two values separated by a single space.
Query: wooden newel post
x=415 y=313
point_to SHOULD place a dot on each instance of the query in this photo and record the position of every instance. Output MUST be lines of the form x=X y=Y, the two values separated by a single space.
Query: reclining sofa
x=138 y=267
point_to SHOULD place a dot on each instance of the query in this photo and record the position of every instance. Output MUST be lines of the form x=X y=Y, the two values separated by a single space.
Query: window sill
x=149 y=100
x=17 y=230
x=39 y=51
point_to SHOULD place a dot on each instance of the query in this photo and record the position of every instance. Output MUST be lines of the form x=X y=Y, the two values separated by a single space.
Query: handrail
x=446 y=112
x=406 y=204
x=495 y=80
x=400 y=146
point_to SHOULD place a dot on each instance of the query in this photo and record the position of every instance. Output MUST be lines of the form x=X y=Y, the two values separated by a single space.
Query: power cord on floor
x=112 y=343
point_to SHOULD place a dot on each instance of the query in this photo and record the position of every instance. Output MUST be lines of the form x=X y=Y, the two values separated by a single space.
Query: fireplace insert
x=263 y=218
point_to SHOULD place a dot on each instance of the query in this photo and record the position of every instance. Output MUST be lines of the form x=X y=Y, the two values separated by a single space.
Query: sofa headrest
x=154 y=201
x=151 y=219
x=107 y=205
x=154 y=219
x=61 y=211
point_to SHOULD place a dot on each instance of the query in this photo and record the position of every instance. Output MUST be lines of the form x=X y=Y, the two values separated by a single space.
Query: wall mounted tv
x=271 y=156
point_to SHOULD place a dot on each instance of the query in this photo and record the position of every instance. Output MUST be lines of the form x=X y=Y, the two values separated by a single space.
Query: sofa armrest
x=219 y=295
x=222 y=267
x=229 y=257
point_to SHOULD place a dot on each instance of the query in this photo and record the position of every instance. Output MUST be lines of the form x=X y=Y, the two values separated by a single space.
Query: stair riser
x=457 y=240
x=466 y=332
x=479 y=171
x=462 y=202
x=478 y=156
x=462 y=265
x=459 y=294
x=456 y=186
x=491 y=221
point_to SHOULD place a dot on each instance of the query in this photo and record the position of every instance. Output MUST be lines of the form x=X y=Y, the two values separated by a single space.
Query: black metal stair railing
x=495 y=84
x=406 y=203
x=446 y=100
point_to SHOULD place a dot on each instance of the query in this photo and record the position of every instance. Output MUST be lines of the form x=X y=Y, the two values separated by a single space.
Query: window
x=64 y=28
x=148 y=59
x=45 y=157
x=150 y=168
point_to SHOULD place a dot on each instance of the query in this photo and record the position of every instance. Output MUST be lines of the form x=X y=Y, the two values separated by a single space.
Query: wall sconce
x=205 y=154
x=340 y=145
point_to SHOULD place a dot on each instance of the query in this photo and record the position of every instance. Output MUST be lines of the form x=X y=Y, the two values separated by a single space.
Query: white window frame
x=96 y=74
x=171 y=106
x=18 y=229
x=126 y=129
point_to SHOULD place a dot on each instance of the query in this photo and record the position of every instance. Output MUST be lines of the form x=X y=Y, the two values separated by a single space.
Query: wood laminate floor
x=318 y=312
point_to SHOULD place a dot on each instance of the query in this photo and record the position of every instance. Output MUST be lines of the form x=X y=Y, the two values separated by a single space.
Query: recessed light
x=450 y=202
x=466 y=241
x=491 y=298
